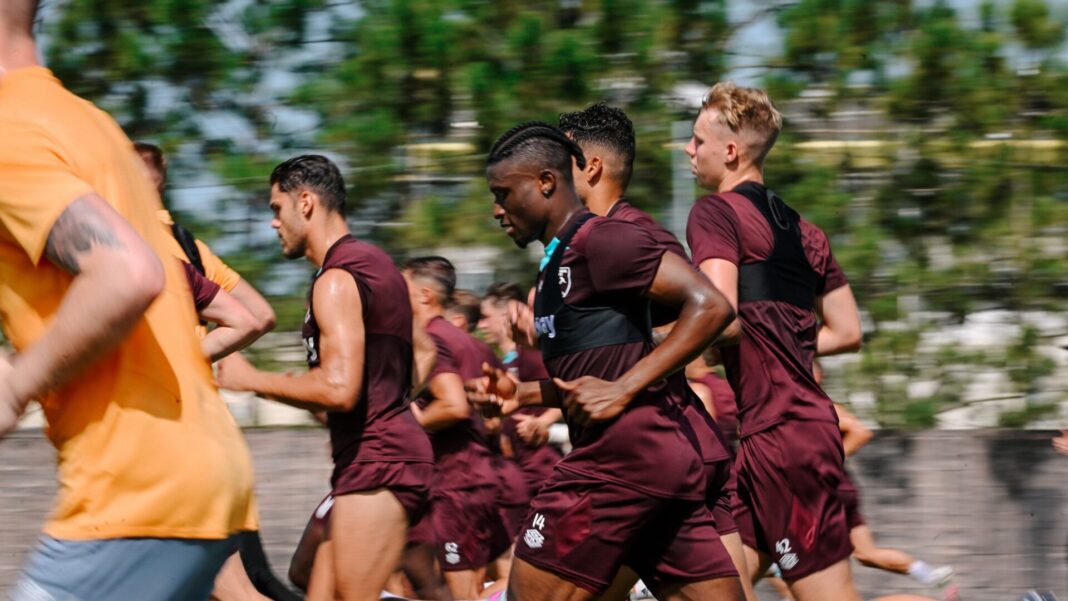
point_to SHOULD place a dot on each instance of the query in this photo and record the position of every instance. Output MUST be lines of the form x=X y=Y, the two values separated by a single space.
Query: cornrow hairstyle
x=605 y=126
x=436 y=269
x=539 y=143
x=316 y=173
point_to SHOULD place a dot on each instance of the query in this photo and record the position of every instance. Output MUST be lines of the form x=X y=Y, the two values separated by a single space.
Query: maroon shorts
x=468 y=530
x=722 y=492
x=583 y=530
x=409 y=483
x=788 y=479
x=850 y=496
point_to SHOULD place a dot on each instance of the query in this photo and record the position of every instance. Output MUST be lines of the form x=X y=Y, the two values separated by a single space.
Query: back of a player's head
x=18 y=16
x=153 y=157
x=436 y=271
x=466 y=304
x=314 y=173
x=502 y=292
x=746 y=111
x=609 y=130
x=537 y=145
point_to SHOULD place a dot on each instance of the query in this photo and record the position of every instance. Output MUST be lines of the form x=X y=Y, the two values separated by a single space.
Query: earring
x=546 y=193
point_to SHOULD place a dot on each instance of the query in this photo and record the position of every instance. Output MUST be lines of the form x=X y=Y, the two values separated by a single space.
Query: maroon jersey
x=380 y=428
x=770 y=370
x=592 y=320
x=723 y=402
x=204 y=290
x=462 y=459
x=536 y=462
x=661 y=314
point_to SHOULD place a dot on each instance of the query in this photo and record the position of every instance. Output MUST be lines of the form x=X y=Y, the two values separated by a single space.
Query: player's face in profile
x=287 y=222
x=706 y=150
x=494 y=322
x=518 y=205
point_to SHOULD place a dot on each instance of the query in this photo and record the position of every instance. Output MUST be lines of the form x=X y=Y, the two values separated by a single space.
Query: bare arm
x=854 y=434
x=117 y=276
x=449 y=405
x=840 y=331
x=336 y=383
x=256 y=305
x=704 y=313
x=235 y=327
x=724 y=276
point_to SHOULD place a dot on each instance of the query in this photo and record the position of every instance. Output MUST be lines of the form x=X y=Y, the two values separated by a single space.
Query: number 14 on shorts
x=533 y=536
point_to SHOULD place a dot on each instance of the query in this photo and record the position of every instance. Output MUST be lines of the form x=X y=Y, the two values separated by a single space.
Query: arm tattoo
x=79 y=228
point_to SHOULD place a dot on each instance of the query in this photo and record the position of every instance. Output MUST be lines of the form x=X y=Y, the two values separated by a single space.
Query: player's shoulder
x=813 y=236
x=600 y=231
x=717 y=206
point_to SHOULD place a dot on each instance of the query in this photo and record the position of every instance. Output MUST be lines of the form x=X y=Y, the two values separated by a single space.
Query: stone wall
x=991 y=503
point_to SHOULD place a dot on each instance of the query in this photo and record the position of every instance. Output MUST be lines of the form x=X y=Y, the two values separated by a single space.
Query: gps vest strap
x=188 y=242
x=786 y=275
x=565 y=329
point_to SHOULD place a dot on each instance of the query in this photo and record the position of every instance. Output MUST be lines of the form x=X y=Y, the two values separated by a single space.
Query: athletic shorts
x=468 y=530
x=409 y=483
x=788 y=480
x=514 y=518
x=122 y=568
x=722 y=492
x=850 y=496
x=583 y=530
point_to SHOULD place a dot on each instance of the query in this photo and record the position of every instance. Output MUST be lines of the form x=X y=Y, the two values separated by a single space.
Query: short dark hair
x=539 y=143
x=152 y=155
x=436 y=269
x=605 y=126
x=316 y=173
x=505 y=291
x=468 y=304
x=18 y=16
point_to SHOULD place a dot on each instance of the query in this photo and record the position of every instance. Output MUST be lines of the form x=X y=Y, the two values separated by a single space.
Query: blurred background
x=928 y=139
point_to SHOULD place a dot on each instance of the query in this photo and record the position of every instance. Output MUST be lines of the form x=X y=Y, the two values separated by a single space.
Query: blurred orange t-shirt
x=146 y=448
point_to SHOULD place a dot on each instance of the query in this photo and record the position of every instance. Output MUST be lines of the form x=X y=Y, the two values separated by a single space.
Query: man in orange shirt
x=154 y=477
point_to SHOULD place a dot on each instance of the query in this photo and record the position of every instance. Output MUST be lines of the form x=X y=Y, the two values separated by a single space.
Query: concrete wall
x=992 y=504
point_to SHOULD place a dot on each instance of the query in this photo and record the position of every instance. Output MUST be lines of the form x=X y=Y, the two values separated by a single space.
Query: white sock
x=920 y=571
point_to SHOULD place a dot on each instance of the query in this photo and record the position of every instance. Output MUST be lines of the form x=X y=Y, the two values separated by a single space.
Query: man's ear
x=594 y=167
x=306 y=203
x=547 y=182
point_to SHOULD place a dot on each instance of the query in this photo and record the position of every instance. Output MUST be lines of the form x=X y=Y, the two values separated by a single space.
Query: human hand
x=521 y=319
x=531 y=430
x=234 y=372
x=590 y=399
x=1060 y=442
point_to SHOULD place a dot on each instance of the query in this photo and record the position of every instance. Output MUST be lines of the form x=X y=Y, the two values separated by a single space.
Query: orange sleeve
x=36 y=185
x=217 y=271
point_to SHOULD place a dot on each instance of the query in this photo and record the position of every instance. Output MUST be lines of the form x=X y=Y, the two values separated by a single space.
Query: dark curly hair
x=316 y=173
x=607 y=127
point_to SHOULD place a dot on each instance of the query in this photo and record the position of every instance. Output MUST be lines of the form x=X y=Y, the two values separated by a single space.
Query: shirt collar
x=550 y=248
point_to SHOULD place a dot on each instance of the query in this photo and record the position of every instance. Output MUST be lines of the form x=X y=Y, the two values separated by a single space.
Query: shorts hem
x=575 y=578
x=819 y=567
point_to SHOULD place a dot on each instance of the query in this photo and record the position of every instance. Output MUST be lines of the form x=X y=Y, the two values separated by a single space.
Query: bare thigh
x=367 y=531
x=736 y=549
x=835 y=582
x=757 y=563
x=721 y=589
x=466 y=584
x=321 y=585
x=300 y=566
x=528 y=583
x=232 y=583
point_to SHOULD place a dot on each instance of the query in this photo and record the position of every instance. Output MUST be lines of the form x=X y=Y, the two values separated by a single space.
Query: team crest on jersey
x=564 y=277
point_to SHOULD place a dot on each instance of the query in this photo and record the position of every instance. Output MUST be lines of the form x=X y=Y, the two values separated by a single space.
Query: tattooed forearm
x=79 y=228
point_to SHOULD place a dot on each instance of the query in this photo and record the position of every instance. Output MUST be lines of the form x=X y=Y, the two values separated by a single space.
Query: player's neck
x=559 y=214
x=423 y=314
x=734 y=179
x=324 y=236
x=507 y=345
x=603 y=197
x=17 y=53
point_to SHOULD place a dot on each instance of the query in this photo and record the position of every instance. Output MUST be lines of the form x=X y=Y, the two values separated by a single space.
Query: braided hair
x=539 y=143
